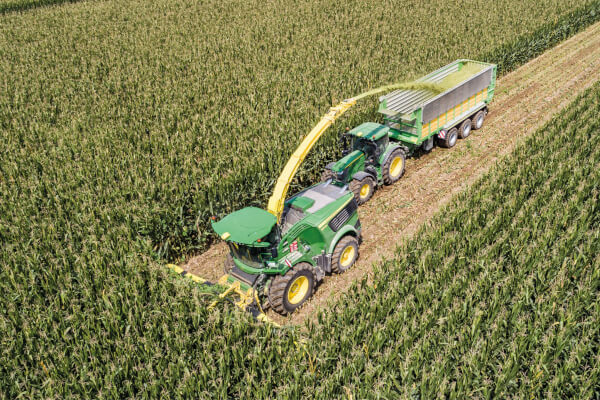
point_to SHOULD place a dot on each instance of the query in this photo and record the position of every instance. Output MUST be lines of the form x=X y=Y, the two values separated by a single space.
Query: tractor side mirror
x=274 y=252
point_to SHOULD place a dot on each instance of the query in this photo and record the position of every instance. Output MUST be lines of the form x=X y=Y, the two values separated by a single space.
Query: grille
x=340 y=219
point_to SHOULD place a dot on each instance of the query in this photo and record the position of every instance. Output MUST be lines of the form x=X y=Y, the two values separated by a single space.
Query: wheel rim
x=479 y=121
x=347 y=256
x=298 y=290
x=396 y=166
x=452 y=140
x=467 y=130
x=364 y=191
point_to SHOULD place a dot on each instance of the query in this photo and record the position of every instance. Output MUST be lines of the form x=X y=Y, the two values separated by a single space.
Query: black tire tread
x=387 y=179
x=326 y=175
x=280 y=282
x=473 y=124
x=355 y=186
x=466 y=122
x=337 y=252
x=446 y=142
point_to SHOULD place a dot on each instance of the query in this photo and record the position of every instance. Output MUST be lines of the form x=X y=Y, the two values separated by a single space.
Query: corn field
x=126 y=124
x=497 y=297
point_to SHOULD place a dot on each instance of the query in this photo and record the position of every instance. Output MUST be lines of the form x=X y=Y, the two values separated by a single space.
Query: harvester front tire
x=344 y=255
x=478 y=120
x=450 y=139
x=363 y=189
x=393 y=167
x=288 y=292
x=465 y=129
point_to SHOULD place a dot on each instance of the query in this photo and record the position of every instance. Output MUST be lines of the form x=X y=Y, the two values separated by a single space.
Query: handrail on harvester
x=277 y=199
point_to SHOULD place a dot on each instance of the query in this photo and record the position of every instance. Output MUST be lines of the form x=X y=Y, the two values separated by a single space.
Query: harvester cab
x=372 y=161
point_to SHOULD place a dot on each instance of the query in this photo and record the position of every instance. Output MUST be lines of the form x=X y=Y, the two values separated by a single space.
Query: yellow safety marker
x=277 y=199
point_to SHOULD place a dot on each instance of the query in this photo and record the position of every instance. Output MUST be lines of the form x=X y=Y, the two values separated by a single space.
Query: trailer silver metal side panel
x=403 y=102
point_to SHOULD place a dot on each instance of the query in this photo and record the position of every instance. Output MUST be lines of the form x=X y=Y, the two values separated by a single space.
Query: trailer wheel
x=288 y=292
x=465 y=129
x=393 y=167
x=478 y=120
x=363 y=189
x=344 y=255
x=450 y=139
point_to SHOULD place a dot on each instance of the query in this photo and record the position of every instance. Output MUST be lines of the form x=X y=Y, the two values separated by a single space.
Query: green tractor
x=319 y=233
x=371 y=161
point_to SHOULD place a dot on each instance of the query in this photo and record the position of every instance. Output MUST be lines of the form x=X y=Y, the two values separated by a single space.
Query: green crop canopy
x=245 y=226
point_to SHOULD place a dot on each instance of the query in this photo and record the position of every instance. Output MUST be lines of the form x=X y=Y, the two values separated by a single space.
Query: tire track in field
x=525 y=100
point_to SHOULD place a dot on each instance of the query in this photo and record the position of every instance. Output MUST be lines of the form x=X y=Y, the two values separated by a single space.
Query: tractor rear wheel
x=363 y=189
x=393 y=167
x=344 y=255
x=465 y=129
x=478 y=120
x=288 y=292
x=450 y=139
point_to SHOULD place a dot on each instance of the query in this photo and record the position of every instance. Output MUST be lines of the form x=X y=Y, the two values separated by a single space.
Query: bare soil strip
x=525 y=100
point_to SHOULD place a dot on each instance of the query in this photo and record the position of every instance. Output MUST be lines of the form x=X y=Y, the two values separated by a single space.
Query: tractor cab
x=371 y=139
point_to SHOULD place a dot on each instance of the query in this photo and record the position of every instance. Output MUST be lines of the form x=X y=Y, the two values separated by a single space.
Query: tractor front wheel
x=363 y=189
x=344 y=255
x=393 y=167
x=288 y=292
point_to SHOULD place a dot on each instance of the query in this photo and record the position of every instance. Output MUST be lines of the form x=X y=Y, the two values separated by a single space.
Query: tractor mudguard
x=360 y=175
x=388 y=151
x=348 y=229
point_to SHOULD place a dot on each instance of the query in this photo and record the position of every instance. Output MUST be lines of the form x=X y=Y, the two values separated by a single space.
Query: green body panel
x=246 y=226
x=303 y=234
x=369 y=130
x=347 y=230
x=349 y=165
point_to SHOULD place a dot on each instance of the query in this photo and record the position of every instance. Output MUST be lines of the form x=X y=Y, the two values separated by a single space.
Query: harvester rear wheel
x=465 y=129
x=393 y=167
x=363 y=189
x=344 y=255
x=478 y=120
x=288 y=292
